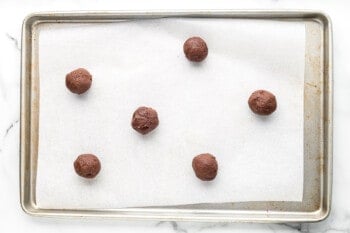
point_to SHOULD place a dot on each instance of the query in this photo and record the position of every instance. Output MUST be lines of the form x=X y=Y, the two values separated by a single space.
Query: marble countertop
x=13 y=219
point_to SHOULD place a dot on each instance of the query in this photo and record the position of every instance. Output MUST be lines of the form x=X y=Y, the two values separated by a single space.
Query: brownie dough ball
x=205 y=166
x=262 y=102
x=195 y=49
x=87 y=166
x=78 y=81
x=144 y=120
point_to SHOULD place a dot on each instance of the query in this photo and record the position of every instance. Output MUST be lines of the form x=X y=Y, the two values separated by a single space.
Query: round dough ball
x=87 y=165
x=205 y=166
x=78 y=81
x=262 y=102
x=195 y=49
x=144 y=120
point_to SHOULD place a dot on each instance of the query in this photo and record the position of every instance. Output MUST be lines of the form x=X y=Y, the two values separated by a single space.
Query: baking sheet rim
x=27 y=172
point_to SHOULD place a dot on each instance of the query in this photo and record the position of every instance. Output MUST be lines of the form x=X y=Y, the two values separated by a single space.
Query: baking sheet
x=202 y=108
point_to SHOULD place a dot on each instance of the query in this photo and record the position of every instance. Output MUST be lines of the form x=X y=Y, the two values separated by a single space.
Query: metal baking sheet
x=317 y=124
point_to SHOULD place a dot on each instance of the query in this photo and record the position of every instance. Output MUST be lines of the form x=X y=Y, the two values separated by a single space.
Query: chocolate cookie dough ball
x=144 y=120
x=78 y=81
x=205 y=166
x=195 y=49
x=87 y=166
x=262 y=102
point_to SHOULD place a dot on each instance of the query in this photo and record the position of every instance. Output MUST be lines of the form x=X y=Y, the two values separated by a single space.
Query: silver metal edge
x=261 y=216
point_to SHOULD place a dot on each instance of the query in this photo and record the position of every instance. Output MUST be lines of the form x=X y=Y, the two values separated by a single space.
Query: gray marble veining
x=14 y=40
x=10 y=127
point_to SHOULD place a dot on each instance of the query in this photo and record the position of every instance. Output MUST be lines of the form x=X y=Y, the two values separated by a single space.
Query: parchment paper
x=202 y=108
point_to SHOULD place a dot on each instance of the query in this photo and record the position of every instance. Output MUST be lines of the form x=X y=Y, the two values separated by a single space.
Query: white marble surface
x=12 y=218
